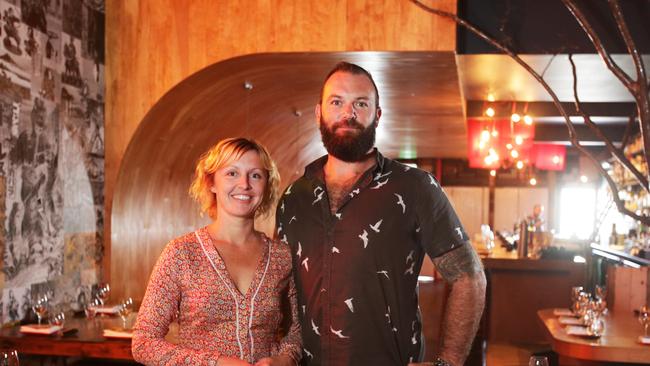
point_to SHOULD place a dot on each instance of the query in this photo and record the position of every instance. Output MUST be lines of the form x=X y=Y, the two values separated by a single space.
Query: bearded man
x=359 y=225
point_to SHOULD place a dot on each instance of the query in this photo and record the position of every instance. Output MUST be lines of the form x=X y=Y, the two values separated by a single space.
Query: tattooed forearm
x=462 y=316
x=457 y=262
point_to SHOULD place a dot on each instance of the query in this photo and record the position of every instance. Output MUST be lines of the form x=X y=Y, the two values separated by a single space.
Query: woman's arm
x=159 y=306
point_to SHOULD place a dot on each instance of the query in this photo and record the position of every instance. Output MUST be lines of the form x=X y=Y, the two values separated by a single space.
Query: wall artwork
x=51 y=151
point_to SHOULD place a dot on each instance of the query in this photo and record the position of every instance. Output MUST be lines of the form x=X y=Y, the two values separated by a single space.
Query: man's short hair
x=354 y=69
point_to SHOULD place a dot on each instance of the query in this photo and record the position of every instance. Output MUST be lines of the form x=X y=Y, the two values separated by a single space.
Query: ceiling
x=603 y=97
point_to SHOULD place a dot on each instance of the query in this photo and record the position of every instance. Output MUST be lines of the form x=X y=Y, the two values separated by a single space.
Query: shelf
x=618 y=256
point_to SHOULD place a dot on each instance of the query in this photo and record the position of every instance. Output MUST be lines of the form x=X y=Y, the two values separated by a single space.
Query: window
x=577 y=212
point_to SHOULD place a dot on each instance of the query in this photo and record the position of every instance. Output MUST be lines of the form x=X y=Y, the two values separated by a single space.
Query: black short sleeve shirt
x=356 y=271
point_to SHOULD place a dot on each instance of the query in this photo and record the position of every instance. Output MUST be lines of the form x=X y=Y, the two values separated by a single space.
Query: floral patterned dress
x=190 y=281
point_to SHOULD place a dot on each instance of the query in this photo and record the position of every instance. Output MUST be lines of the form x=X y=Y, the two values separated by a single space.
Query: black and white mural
x=51 y=151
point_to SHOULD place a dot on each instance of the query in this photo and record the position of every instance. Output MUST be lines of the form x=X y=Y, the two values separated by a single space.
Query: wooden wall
x=153 y=45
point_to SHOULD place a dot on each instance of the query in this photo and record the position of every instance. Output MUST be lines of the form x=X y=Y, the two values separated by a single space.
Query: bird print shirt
x=356 y=270
x=190 y=281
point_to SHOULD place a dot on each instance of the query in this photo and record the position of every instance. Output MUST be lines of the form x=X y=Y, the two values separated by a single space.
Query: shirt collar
x=315 y=168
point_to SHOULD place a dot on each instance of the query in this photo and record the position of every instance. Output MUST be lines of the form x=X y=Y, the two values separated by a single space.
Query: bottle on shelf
x=612 y=236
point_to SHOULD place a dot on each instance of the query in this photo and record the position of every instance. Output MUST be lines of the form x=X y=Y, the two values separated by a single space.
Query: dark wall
x=547 y=26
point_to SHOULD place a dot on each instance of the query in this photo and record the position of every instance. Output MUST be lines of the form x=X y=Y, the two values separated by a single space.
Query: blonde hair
x=223 y=153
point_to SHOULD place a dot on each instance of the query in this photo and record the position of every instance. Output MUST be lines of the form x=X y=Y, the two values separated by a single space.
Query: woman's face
x=240 y=186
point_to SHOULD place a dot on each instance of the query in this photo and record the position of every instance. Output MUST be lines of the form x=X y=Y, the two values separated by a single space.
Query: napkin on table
x=39 y=329
x=113 y=333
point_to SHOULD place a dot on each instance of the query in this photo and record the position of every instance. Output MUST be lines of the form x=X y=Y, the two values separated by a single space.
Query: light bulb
x=514 y=154
x=515 y=117
x=533 y=181
x=485 y=135
x=489 y=112
x=520 y=165
x=490 y=97
x=584 y=179
x=509 y=146
x=528 y=120
x=495 y=133
x=493 y=173
x=556 y=159
x=519 y=140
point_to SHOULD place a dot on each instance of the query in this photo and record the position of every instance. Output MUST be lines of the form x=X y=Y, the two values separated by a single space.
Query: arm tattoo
x=457 y=262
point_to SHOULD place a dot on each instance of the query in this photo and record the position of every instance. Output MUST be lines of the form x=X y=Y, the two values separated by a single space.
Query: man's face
x=348 y=116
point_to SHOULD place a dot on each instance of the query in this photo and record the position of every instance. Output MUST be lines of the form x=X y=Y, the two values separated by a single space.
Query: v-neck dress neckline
x=220 y=264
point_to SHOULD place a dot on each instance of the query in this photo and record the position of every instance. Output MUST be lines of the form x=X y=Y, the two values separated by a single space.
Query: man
x=359 y=225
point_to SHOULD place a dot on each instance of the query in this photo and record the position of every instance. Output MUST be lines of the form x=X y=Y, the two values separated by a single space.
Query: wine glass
x=599 y=306
x=58 y=320
x=39 y=307
x=124 y=310
x=538 y=361
x=644 y=319
x=9 y=358
x=575 y=294
x=601 y=292
x=596 y=327
x=90 y=309
x=103 y=290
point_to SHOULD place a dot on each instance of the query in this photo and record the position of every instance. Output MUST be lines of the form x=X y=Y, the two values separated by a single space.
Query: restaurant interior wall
x=184 y=38
x=52 y=151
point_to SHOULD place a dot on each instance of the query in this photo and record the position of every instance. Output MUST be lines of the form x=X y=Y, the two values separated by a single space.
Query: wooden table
x=618 y=344
x=86 y=342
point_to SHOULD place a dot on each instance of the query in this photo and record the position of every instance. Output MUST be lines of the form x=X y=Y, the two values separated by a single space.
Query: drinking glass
x=90 y=309
x=39 y=307
x=103 y=290
x=575 y=291
x=538 y=361
x=58 y=319
x=599 y=306
x=575 y=294
x=125 y=309
x=8 y=358
x=587 y=316
x=644 y=319
x=597 y=327
x=584 y=300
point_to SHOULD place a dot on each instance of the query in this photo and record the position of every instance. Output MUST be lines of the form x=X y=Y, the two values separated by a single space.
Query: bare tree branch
x=625 y=79
x=618 y=153
x=629 y=41
x=598 y=44
x=640 y=86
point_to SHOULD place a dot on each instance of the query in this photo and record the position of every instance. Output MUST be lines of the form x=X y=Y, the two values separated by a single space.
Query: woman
x=230 y=286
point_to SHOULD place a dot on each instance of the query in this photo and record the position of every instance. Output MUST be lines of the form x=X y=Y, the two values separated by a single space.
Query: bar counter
x=519 y=287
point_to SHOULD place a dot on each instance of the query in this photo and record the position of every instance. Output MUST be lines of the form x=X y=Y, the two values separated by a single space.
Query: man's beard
x=348 y=147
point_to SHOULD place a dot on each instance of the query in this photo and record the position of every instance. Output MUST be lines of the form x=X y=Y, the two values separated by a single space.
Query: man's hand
x=462 y=268
x=279 y=360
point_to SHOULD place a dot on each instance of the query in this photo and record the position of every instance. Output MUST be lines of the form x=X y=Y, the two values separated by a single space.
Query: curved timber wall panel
x=422 y=115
